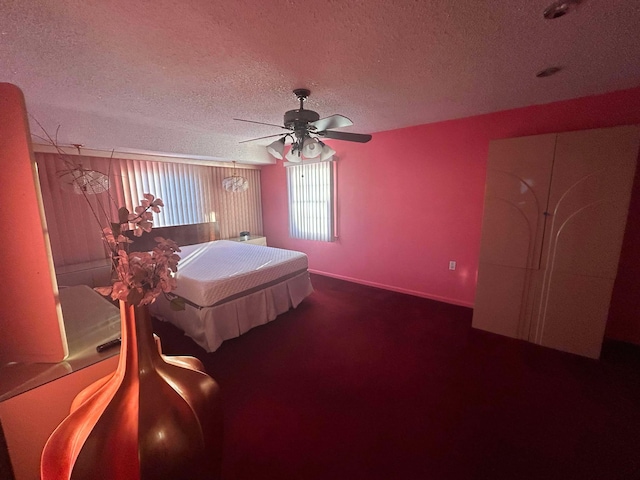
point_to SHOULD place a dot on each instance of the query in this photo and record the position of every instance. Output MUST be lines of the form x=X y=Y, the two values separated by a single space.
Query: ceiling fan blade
x=260 y=138
x=260 y=123
x=334 y=121
x=349 y=137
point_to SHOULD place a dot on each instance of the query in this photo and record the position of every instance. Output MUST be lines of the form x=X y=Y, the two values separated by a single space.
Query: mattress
x=213 y=272
x=232 y=287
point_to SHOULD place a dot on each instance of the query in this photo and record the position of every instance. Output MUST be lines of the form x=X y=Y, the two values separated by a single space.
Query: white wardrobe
x=555 y=211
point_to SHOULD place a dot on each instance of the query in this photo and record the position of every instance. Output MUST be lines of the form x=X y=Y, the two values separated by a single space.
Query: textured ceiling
x=170 y=75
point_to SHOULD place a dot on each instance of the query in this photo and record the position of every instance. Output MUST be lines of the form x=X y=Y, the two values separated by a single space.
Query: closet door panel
x=586 y=239
x=516 y=194
x=589 y=198
x=574 y=315
x=504 y=300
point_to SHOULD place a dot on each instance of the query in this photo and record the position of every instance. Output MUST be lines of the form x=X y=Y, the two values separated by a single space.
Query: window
x=184 y=188
x=311 y=201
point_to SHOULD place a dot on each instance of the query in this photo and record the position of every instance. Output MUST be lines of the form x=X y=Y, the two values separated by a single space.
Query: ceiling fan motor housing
x=296 y=119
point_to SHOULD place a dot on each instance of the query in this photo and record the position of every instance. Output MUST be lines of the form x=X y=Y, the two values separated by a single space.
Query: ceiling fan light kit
x=327 y=152
x=293 y=156
x=311 y=148
x=304 y=127
x=276 y=149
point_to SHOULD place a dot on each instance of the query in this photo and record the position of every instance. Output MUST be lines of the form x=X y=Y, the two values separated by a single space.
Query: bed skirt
x=210 y=326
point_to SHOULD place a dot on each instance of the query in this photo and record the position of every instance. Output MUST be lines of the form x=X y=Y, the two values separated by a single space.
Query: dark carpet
x=363 y=383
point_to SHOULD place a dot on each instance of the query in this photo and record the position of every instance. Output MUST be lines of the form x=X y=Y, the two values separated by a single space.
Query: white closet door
x=588 y=203
x=516 y=193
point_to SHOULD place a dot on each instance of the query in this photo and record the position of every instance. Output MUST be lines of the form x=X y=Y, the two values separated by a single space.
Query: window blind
x=185 y=190
x=311 y=200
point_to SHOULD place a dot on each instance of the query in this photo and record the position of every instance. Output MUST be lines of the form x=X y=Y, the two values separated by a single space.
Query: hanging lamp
x=235 y=183
x=76 y=179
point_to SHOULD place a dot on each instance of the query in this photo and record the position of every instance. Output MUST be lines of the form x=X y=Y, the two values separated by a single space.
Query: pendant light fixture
x=235 y=183
x=81 y=181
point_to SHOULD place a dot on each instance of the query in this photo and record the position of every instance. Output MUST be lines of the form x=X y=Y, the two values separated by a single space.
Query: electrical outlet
x=452 y=264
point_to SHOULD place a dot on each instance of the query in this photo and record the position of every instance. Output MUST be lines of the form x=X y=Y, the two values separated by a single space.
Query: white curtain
x=311 y=200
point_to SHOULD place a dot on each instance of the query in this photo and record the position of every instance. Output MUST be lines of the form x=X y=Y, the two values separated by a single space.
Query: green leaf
x=177 y=304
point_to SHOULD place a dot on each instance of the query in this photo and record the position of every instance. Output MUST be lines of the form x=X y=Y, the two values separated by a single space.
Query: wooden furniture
x=554 y=218
x=251 y=239
x=181 y=234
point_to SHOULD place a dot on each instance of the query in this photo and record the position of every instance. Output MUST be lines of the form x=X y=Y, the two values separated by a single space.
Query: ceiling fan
x=304 y=128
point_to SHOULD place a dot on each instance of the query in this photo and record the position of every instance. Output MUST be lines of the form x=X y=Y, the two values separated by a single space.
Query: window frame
x=319 y=224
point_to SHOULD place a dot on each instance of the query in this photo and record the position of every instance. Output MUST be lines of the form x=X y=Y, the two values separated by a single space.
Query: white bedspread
x=211 y=272
x=226 y=299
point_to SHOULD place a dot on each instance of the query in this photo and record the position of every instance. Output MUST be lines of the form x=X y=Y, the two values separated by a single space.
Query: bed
x=230 y=287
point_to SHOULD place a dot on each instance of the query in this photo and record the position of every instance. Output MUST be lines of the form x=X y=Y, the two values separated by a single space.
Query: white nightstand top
x=252 y=239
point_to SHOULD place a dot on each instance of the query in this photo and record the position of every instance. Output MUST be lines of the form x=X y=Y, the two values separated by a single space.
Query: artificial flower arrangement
x=140 y=276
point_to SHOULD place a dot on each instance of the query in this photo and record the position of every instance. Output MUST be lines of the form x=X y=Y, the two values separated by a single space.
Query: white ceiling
x=170 y=75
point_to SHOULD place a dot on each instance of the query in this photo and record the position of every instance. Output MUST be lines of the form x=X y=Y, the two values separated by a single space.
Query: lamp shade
x=276 y=148
x=327 y=152
x=293 y=155
x=311 y=148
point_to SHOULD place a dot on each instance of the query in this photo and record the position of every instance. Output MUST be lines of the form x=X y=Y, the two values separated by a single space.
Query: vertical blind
x=311 y=209
x=186 y=190
x=72 y=227
x=191 y=194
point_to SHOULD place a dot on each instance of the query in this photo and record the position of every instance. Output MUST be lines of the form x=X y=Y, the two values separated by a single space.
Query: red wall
x=411 y=200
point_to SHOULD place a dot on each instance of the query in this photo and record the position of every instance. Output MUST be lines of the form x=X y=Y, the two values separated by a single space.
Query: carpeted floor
x=362 y=383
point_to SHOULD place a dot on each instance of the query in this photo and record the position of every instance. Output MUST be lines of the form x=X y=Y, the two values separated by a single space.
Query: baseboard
x=437 y=298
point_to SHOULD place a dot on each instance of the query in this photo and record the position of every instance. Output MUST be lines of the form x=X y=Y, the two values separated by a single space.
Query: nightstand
x=252 y=239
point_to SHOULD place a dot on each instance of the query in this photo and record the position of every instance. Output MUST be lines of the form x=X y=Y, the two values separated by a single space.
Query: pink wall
x=411 y=200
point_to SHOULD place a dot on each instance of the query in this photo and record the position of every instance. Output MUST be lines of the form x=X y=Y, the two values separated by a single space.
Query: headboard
x=181 y=234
